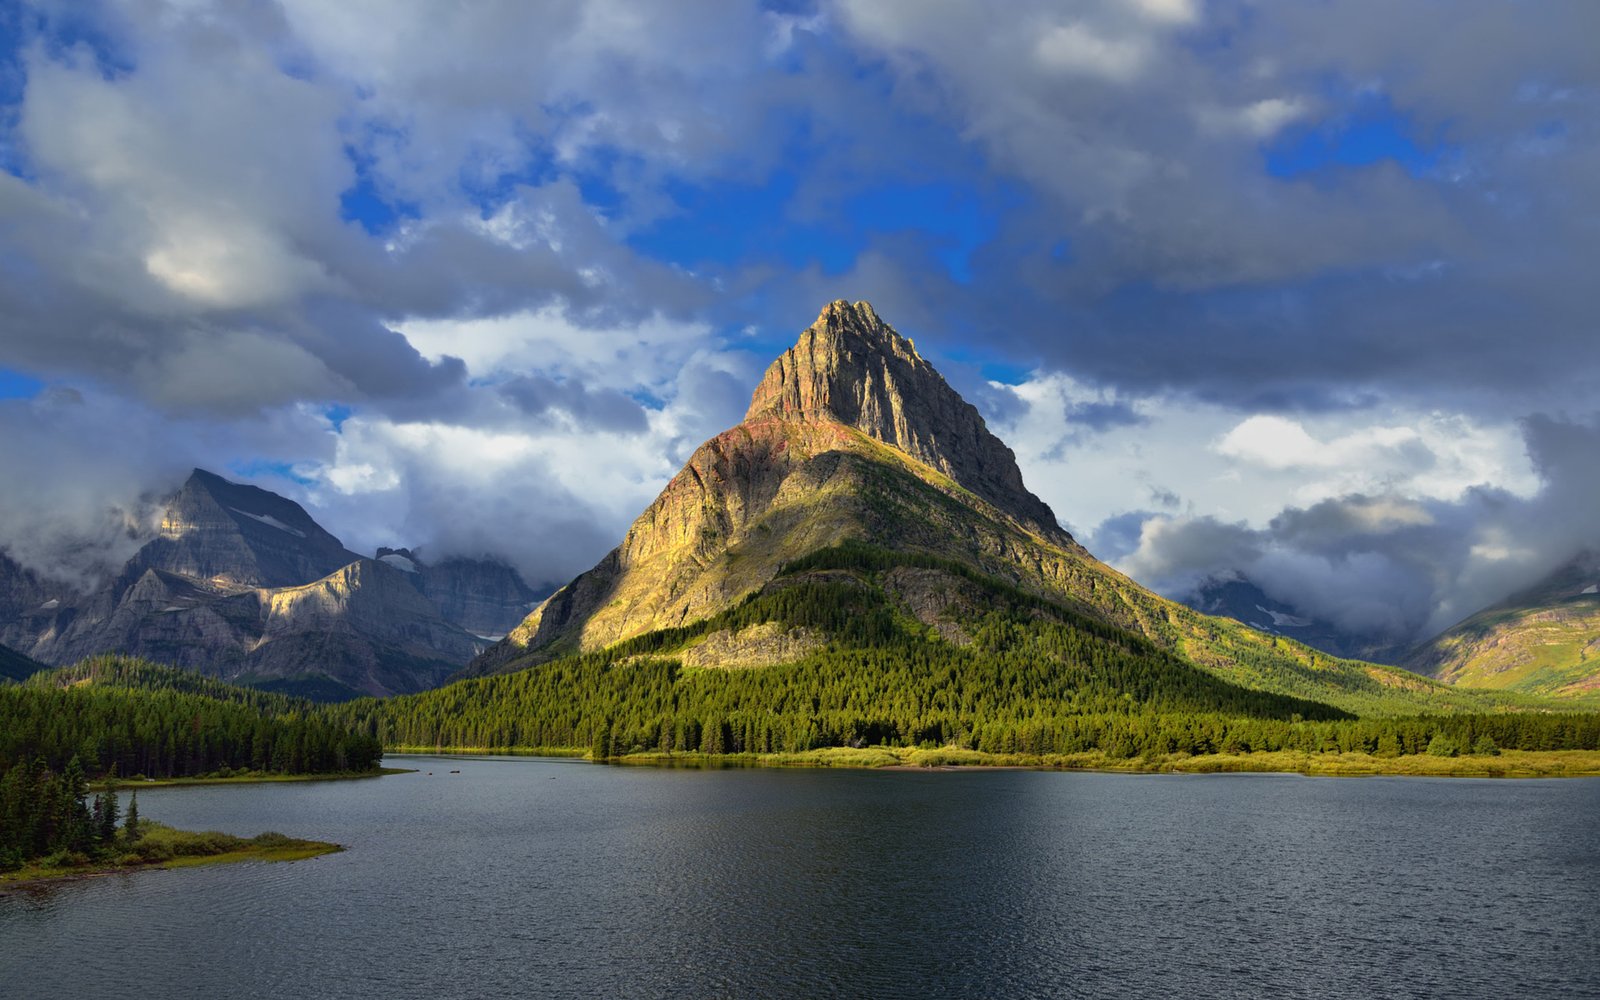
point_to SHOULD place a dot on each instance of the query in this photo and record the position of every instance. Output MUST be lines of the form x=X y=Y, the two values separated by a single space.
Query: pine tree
x=73 y=827
x=106 y=809
x=130 y=826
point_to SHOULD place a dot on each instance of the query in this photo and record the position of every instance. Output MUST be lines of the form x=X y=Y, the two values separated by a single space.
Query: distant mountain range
x=1543 y=640
x=852 y=442
x=242 y=584
x=1234 y=596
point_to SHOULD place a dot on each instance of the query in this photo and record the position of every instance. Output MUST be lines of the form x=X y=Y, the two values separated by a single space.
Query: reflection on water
x=524 y=877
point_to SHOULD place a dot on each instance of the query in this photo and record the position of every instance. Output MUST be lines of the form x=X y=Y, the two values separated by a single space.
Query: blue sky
x=479 y=277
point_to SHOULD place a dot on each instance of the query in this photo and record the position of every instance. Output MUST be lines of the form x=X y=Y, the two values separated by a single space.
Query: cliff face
x=852 y=436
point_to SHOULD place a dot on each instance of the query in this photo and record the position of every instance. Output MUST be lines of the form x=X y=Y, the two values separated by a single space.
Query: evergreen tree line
x=110 y=670
x=855 y=698
x=167 y=733
x=44 y=812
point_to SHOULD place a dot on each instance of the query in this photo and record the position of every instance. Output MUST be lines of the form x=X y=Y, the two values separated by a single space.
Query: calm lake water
x=542 y=878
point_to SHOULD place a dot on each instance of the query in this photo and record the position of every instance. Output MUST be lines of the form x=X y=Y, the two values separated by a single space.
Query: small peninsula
x=158 y=846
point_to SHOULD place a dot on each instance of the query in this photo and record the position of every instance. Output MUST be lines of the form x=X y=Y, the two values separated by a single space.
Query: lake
x=524 y=877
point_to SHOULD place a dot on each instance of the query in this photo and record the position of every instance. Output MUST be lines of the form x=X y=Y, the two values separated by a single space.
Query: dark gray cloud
x=1454 y=271
x=175 y=242
x=1392 y=567
x=1100 y=415
x=607 y=409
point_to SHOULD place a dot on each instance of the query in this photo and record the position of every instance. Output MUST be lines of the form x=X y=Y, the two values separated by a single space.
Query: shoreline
x=36 y=878
x=1507 y=764
x=255 y=778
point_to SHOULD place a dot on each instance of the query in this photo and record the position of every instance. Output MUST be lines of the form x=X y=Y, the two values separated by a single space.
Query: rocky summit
x=231 y=535
x=852 y=437
x=850 y=368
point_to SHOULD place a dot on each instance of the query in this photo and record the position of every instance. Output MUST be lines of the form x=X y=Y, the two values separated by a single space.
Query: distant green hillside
x=130 y=673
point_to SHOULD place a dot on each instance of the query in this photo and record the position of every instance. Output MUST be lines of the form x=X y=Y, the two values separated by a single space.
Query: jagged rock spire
x=852 y=368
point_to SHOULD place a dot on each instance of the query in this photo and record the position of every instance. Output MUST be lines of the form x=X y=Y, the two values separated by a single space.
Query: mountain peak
x=851 y=368
x=825 y=375
x=236 y=535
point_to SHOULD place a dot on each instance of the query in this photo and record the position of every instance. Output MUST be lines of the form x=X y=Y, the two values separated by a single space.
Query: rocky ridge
x=485 y=596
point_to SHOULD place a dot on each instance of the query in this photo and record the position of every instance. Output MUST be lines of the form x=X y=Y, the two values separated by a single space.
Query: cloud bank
x=479 y=276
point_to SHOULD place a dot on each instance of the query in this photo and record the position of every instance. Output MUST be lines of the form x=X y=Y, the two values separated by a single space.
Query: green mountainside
x=1544 y=640
x=129 y=673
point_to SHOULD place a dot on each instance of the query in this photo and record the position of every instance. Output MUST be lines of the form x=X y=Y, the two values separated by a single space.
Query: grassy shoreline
x=488 y=751
x=1507 y=764
x=252 y=778
x=162 y=847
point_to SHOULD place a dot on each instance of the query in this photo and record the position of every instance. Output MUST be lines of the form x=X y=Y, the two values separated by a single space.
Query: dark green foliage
x=135 y=674
x=130 y=826
x=312 y=687
x=106 y=814
x=168 y=734
x=16 y=667
x=121 y=716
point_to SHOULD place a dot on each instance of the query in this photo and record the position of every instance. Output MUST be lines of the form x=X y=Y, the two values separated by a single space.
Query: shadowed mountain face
x=242 y=584
x=16 y=667
x=484 y=596
x=852 y=437
x=1237 y=598
x=1543 y=640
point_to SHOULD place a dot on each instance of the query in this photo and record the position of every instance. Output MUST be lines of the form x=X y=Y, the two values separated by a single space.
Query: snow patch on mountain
x=399 y=562
x=1282 y=620
x=269 y=521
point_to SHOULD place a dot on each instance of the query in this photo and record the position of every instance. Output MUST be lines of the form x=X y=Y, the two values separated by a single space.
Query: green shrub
x=1442 y=746
x=151 y=850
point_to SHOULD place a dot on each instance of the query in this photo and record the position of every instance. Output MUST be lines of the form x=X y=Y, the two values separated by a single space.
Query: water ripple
x=523 y=877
